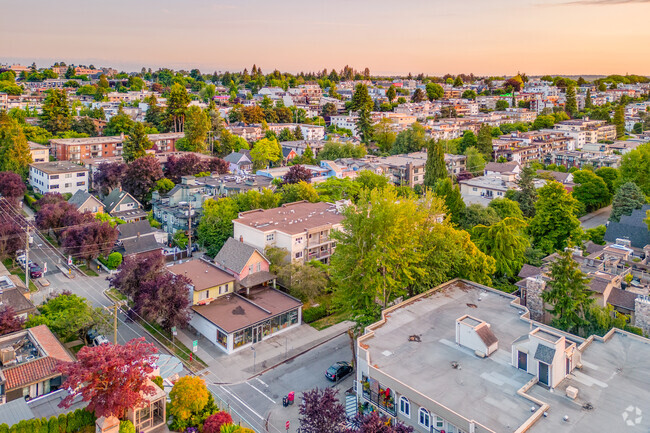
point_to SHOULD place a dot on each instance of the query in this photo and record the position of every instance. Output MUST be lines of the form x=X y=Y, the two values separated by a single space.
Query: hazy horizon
x=500 y=37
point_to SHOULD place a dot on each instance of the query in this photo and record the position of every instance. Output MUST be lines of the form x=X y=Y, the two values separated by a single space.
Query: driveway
x=597 y=218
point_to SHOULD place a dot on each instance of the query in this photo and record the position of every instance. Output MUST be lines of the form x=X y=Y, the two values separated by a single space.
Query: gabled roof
x=529 y=271
x=622 y=299
x=545 y=354
x=80 y=198
x=486 y=335
x=115 y=198
x=501 y=167
x=234 y=255
x=130 y=230
x=143 y=244
x=237 y=158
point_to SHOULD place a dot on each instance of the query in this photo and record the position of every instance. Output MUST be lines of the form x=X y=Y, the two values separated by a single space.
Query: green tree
x=418 y=96
x=177 y=103
x=475 y=162
x=554 y=225
x=568 y=294
x=410 y=140
x=435 y=168
x=611 y=177
x=571 y=105
x=619 y=121
x=197 y=126
x=70 y=317
x=434 y=91
x=264 y=152
x=506 y=208
x=588 y=102
x=361 y=98
x=501 y=105
x=458 y=82
x=391 y=93
x=121 y=123
x=468 y=140
x=628 y=198
x=596 y=234
x=364 y=125
x=505 y=242
x=216 y=224
x=484 y=141
x=55 y=114
x=14 y=150
x=188 y=397
x=383 y=135
x=477 y=214
x=298 y=192
x=635 y=167
x=136 y=144
x=591 y=190
x=526 y=194
x=453 y=200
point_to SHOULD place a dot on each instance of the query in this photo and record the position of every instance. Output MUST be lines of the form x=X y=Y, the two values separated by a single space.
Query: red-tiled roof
x=30 y=372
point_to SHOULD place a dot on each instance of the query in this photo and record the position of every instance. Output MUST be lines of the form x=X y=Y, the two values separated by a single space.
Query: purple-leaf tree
x=8 y=320
x=12 y=187
x=321 y=412
x=51 y=216
x=186 y=165
x=89 y=240
x=217 y=165
x=50 y=198
x=141 y=177
x=165 y=298
x=297 y=173
x=12 y=236
x=135 y=270
x=109 y=176
x=375 y=423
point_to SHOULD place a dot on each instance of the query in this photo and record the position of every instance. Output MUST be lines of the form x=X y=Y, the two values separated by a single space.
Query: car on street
x=95 y=338
x=338 y=371
x=35 y=271
x=21 y=261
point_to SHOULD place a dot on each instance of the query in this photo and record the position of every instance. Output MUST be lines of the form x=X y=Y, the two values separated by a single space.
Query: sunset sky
x=390 y=37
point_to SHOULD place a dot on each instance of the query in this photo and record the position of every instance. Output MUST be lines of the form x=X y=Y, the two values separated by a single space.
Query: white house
x=58 y=176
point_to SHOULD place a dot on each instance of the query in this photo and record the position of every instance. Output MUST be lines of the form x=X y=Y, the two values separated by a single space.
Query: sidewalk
x=246 y=363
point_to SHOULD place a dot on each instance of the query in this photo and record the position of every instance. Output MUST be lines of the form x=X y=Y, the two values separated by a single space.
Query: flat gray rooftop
x=614 y=377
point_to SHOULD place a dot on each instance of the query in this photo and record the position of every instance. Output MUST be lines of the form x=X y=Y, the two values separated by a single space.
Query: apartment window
x=54 y=176
x=81 y=183
x=474 y=189
x=270 y=237
x=424 y=418
x=299 y=255
x=205 y=294
x=250 y=269
x=54 y=186
x=440 y=423
x=405 y=407
x=81 y=174
x=68 y=185
x=299 y=240
x=68 y=176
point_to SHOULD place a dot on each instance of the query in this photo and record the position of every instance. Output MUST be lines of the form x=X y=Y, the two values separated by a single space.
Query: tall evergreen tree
x=391 y=93
x=526 y=195
x=361 y=98
x=56 y=115
x=619 y=121
x=588 y=102
x=452 y=197
x=628 y=197
x=571 y=105
x=155 y=114
x=435 y=168
x=364 y=125
x=136 y=144
x=568 y=294
x=484 y=141
x=177 y=103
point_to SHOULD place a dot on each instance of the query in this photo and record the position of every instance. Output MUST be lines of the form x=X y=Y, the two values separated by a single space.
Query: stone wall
x=642 y=314
x=534 y=288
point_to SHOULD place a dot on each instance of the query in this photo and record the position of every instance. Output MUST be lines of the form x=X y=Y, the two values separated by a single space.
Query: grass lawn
x=178 y=349
x=86 y=270
x=115 y=295
x=330 y=320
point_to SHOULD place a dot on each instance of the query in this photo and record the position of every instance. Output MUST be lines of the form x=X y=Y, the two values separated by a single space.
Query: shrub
x=126 y=427
x=4 y=428
x=214 y=422
x=314 y=313
x=53 y=425
x=114 y=260
x=158 y=381
x=63 y=422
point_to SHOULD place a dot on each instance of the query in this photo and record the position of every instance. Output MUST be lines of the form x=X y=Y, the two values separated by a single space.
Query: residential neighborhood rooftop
x=292 y=218
x=202 y=273
x=55 y=167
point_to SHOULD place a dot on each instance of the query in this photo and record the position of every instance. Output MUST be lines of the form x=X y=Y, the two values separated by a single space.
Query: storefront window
x=243 y=337
x=222 y=338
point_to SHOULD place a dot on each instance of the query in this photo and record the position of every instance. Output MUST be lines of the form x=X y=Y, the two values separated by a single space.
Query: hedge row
x=70 y=422
x=314 y=313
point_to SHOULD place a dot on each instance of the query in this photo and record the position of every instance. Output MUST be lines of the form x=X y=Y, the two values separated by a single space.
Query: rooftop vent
x=475 y=334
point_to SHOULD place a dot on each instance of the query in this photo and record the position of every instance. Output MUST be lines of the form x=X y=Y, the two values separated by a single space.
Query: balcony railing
x=379 y=398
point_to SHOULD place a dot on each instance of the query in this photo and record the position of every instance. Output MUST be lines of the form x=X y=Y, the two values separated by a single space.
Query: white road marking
x=260 y=391
x=242 y=403
x=260 y=381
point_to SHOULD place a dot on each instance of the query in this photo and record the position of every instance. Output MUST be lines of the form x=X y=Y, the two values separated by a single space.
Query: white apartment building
x=347 y=122
x=59 y=176
x=302 y=229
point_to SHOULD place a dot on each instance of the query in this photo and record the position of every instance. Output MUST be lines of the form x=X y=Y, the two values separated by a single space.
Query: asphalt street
x=258 y=402
x=597 y=218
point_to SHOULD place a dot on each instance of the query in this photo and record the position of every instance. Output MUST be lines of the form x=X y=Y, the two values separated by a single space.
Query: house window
x=440 y=423
x=54 y=186
x=299 y=254
x=204 y=294
x=270 y=237
x=299 y=240
x=250 y=269
x=424 y=418
x=54 y=176
x=405 y=407
x=258 y=267
x=81 y=183
x=68 y=176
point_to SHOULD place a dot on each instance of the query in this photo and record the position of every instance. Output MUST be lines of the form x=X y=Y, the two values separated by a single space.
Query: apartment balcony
x=318 y=254
x=379 y=396
x=317 y=241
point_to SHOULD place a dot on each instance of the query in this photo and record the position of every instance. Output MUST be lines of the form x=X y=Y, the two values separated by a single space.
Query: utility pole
x=189 y=229
x=115 y=324
x=27 y=259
